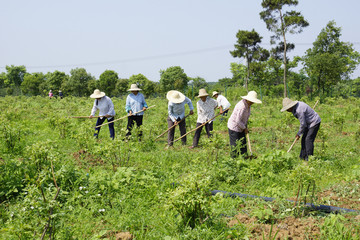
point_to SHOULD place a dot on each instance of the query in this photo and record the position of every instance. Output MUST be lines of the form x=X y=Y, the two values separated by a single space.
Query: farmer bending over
x=237 y=123
x=223 y=103
x=176 y=109
x=309 y=125
x=106 y=107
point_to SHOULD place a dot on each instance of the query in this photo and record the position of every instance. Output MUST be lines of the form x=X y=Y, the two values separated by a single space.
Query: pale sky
x=146 y=36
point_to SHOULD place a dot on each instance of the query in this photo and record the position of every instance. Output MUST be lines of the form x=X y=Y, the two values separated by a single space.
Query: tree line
x=324 y=70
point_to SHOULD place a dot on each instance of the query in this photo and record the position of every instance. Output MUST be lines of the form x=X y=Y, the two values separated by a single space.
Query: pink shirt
x=239 y=117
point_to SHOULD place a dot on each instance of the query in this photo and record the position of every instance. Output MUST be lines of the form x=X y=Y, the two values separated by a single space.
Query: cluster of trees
x=324 y=70
x=81 y=83
x=325 y=66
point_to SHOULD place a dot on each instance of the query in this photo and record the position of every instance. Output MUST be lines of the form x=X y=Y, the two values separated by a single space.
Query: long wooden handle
x=248 y=140
x=123 y=117
x=315 y=104
x=85 y=117
x=199 y=126
x=292 y=145
x=172 y=127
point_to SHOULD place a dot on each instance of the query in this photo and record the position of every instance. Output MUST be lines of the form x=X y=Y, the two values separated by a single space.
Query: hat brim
x=134 y=89
x=102 y=94
x=170 y=97
x=290 y=105
x=254 y=100
x=215 y=94
x=203 y=95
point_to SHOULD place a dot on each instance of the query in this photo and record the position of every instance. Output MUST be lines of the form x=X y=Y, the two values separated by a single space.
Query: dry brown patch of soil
x=287 y=228
x=118 y=235
x=84 y=159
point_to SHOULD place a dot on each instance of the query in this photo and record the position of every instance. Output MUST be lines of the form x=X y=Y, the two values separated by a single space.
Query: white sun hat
x=134 y=87
x=288 y=103
x=203 y=93
x=97 y=94
x=252 y=97
x=175 y=96
x=214 y=93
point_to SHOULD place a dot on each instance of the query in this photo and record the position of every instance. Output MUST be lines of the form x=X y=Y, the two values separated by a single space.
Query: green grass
x=139 y=187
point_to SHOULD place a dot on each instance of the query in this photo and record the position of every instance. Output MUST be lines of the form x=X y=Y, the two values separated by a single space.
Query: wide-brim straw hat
x=134 y=87
x=175 y=96
x=288 y=103
x=215 y=93
x=252 y=97
x=203 y=93
x=97 y=94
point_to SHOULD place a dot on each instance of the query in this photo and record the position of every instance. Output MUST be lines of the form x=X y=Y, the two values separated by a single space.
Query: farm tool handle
x=292 y=145
x=248 y=140
x=123 y=117
x=172 y=127
x=199 y=126
x=85 y=116
x=316 y=104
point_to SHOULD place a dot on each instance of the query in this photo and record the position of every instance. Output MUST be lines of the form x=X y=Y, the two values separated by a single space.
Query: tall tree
x=15 y=74
x=77 y=84
x=107 y=82
x=173 y=78
x=56 y=79
x=330 y=60
x=281 y=23
x=147 y=86
x=248 y=47
x=239 y=72
x=198 y=82
x=32 y=82
x=122 y=86
x=3 y=79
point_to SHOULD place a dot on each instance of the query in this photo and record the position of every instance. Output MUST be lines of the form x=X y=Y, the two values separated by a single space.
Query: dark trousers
x=111 y=127
x=237 y=141
x=138 y=119
x=208 y=128
x=182 y=127
x=307 y=141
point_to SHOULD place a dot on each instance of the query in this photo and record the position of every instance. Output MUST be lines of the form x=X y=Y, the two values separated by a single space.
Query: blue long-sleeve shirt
x=177 y=110
x=307 y=116
x=135 y=103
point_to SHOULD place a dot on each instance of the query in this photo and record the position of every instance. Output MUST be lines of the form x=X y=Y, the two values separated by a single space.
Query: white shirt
x=177 y=110
x=223 y=102
x=206 y=110
x=105 y=105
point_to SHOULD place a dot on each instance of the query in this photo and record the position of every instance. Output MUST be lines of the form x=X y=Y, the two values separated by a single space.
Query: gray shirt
x=307 y=116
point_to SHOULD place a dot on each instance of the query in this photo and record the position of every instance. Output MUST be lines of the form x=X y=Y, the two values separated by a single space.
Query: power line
x=204 y=50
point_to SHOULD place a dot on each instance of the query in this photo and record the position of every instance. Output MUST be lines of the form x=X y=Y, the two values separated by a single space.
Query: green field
x=57 y=180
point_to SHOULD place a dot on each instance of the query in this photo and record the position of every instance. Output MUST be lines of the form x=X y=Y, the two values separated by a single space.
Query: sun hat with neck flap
x=252 y=97
x=203 y=93
x=134 y=88
x=175 y=96
x=97 y=94
x=287 y=104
